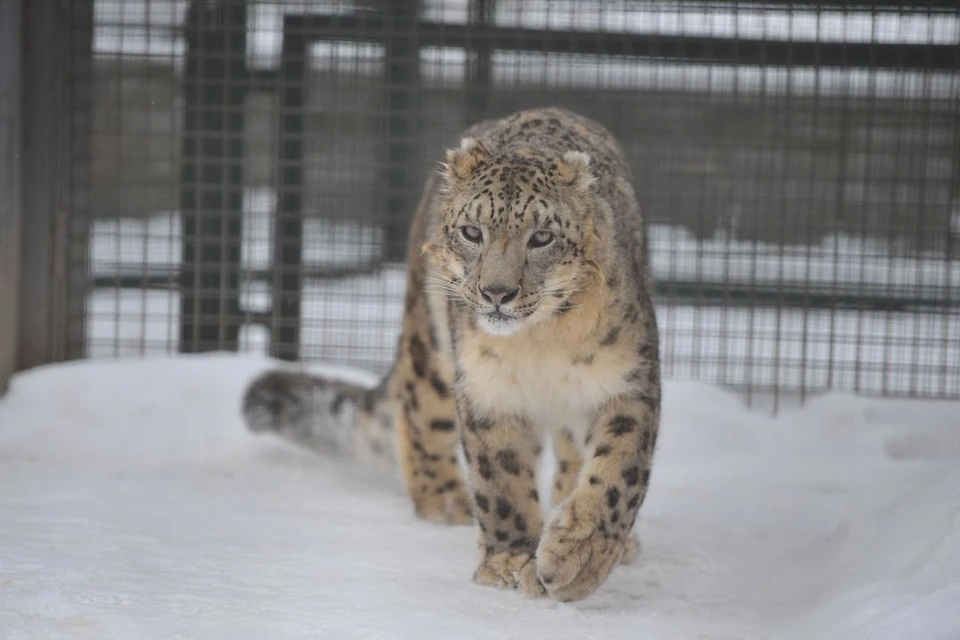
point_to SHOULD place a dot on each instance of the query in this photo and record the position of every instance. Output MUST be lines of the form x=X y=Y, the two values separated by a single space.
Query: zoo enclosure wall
x=222 y=174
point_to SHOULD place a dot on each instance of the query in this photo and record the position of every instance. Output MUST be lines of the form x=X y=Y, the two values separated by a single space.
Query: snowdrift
x=134 y=505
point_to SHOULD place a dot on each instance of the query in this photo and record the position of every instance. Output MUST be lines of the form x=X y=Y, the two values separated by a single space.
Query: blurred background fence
x=229 y=174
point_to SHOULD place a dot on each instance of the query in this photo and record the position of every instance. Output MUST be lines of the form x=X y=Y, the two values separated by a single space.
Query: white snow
x=134 y=505
x=154 y=243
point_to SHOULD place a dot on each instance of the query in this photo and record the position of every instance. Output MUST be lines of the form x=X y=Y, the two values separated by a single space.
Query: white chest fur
x=554 y=385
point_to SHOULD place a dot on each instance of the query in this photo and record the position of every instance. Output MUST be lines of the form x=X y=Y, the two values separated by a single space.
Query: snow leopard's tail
x=323 y=414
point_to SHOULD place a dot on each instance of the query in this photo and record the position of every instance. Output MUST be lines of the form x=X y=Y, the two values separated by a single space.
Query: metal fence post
x=78 y=165
x=288 y=221
x=215 y=83
x=402 y=107
x=479 y=78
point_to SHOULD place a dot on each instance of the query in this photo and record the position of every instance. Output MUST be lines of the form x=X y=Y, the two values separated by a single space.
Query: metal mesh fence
x=255 y=165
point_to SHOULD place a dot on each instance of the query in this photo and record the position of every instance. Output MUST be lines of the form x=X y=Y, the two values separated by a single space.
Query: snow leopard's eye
x=540 y=239
x=471 y=233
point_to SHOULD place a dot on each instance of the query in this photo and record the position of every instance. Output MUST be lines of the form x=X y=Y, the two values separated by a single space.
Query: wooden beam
x=56 y=46
x=45 y=139
x=10 y=61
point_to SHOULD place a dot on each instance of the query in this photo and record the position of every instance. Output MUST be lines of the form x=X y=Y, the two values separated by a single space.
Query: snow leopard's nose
x=498 y=294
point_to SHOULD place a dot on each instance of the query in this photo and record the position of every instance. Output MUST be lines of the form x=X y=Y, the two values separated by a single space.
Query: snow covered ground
x=134 y=505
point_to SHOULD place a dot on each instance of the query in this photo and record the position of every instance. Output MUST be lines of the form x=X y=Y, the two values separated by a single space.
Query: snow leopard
x=528 y=322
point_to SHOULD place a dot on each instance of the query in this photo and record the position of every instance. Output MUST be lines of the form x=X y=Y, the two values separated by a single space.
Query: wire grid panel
x=797 y=166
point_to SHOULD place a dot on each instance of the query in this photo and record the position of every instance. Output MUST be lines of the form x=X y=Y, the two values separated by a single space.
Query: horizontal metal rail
x=681 y=48
x=692 y=292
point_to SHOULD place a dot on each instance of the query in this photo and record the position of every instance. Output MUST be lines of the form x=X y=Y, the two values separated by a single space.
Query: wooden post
x=45 y=179
x=10 y=61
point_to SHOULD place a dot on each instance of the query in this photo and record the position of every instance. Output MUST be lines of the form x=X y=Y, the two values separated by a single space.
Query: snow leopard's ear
x=462 y=162
x=573 y=168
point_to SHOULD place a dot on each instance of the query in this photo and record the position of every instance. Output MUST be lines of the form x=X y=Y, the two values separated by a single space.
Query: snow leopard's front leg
x=569 y=462
x=502 y=453
x=590 y=532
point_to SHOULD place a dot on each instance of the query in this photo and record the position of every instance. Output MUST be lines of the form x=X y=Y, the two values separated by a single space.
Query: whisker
x=561 y=290
x=445 y=292
x=443 y=283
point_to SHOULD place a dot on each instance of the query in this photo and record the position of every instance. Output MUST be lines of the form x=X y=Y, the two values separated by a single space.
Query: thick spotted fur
x=528 y=318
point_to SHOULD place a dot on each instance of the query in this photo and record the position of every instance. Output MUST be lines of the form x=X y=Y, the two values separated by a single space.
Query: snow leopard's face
x=515 y=236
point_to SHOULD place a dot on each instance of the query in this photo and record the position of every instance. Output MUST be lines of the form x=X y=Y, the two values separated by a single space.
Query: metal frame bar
x=212 y=182
x=287 y=269
x=689 y=292
x=736 y=51
x=79 y=167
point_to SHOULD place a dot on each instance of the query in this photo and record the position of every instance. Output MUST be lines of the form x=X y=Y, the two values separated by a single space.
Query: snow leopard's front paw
x=579 y=550
x=509 y=571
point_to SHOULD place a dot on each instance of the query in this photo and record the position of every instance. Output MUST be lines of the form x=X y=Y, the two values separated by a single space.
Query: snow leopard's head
x=517 y=236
